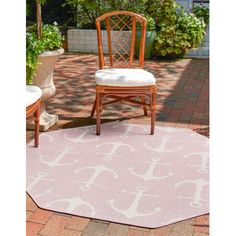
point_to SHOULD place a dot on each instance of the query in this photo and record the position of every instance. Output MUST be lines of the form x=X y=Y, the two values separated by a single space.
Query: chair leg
x=153 y=111
x=144 y=107
x=36 y=132
x=94 y=108
x=98 y=121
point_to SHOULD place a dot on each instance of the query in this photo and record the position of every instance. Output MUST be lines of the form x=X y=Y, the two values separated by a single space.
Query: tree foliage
x=201 y=12
x=88 y=10
x=52 y=10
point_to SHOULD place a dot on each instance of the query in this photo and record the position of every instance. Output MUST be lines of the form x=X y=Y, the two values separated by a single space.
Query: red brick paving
x=202 y=225
x=33 y=228
x=55 y=225
x=40 y=216
x=182 y=101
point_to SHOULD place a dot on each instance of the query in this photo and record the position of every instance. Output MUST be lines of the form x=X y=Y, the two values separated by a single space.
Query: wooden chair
x=121 y=78
x=33 y=99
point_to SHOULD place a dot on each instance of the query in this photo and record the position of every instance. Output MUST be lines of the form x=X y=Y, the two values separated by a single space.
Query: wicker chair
x=33 y=99
x=121 y=78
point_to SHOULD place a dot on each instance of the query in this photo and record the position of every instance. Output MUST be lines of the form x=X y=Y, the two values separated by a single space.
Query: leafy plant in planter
x=51 y=40
x=151 y=24
x=43 y=48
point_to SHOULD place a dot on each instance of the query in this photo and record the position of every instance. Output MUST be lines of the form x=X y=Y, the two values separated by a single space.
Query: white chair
x=33 y=99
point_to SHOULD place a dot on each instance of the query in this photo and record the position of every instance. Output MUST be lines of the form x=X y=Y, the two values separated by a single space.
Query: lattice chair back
x=121 y=27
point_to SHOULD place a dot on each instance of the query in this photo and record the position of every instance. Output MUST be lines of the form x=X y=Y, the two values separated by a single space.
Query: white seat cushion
x=33 y=93
x=124 y=77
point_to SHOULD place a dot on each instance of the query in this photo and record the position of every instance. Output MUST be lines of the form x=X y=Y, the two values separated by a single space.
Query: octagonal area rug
x=124 y=175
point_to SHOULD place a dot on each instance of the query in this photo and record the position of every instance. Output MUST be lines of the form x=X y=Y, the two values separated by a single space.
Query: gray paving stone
x=117 y=230
x=184 y=228
x=95 y=228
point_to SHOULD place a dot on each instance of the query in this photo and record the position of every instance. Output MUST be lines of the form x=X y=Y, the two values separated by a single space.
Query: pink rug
x=124 y=175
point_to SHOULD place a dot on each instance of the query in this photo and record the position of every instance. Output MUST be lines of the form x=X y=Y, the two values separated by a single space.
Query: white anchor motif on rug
x=148 y=175
x=81 y=138
x=203 y=167
x=115 y=146
x=97 y=171
x=170 y=129
x=50 y=138
x=199 y=184
x=73 y=203
x=56 y=161
x=132 y=211
x=40 y=177
x=129 y=128
x=172 y=220
x=162 y=146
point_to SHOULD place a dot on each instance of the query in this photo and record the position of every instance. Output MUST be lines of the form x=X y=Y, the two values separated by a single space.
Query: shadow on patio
x=182 y=99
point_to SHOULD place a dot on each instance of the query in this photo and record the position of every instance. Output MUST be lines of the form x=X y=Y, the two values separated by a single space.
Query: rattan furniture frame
x=116 y=22
x=34 y=109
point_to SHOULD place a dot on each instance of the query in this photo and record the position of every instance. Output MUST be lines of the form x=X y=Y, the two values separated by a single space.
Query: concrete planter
x=44 y=79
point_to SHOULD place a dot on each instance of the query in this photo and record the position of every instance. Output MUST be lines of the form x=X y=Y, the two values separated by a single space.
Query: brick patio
x=183 y=101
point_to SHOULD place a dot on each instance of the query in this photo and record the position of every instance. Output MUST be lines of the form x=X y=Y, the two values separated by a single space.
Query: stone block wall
x=80 y=40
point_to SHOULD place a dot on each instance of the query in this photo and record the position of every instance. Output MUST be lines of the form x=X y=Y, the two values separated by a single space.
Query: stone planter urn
x=44 y=79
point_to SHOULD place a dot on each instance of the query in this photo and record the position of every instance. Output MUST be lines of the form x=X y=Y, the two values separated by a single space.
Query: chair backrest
x=121 y=27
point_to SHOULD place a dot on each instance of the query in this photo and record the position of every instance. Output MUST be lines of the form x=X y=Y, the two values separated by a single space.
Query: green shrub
x=201 y=12
x=171 y=41
x=151 y=24
x=164 y=10
x=192 y=26
x=151 y=7
x=177 y=31
x=51 y=40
